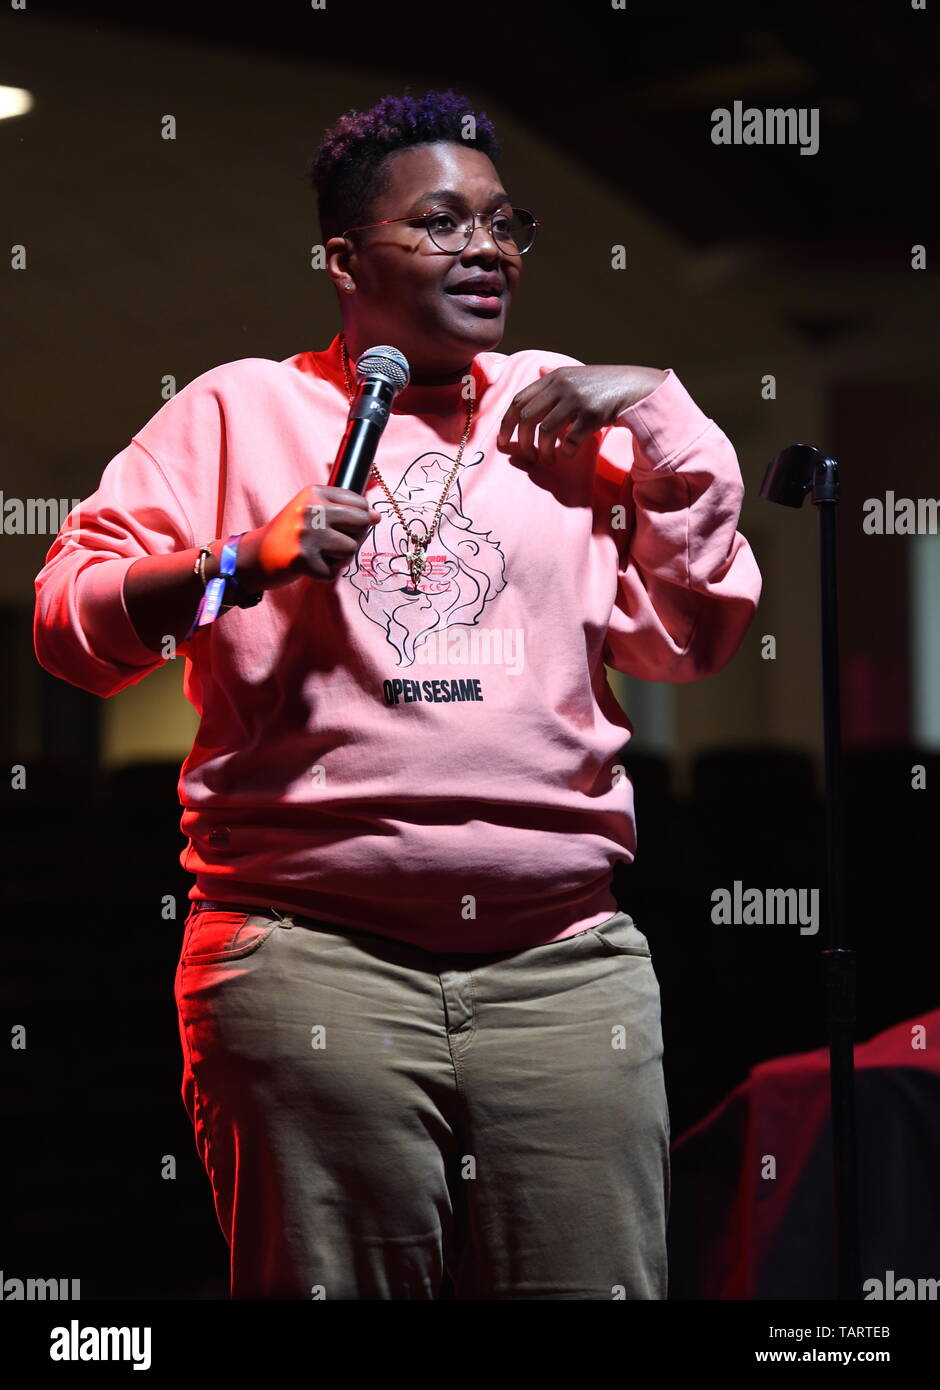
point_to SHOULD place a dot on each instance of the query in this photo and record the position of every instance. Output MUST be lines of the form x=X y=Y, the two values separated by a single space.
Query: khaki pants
x=382 y=1122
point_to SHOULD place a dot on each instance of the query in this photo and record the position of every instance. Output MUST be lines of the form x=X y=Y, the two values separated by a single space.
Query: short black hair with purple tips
x=349 y=170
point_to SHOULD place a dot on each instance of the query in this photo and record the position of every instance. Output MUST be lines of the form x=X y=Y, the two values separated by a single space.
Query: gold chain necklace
x=416 y=557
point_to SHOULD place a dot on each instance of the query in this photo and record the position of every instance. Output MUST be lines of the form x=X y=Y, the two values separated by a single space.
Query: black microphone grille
x=385 y=362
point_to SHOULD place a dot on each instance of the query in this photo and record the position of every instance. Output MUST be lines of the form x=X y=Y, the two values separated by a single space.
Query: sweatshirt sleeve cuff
x=663 y=424
x=104 y=616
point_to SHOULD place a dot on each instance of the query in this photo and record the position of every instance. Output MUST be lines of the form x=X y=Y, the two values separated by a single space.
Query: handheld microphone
x=381 y=372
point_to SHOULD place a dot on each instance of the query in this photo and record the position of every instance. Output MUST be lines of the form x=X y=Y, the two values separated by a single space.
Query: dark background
x=91 y=848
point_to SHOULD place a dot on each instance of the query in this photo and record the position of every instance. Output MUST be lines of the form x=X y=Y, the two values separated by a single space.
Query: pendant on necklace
x=416 y=561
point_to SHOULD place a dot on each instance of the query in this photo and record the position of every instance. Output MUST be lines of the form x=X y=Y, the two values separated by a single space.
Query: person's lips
x=479 y=293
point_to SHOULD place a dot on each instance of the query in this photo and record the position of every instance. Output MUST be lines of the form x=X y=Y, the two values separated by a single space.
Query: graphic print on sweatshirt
x=464 y=568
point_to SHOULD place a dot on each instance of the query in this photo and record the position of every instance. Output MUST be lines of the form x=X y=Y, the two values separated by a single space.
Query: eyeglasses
x=513 y=230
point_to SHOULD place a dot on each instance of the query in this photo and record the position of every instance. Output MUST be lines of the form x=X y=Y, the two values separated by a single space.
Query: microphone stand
x=794 y=472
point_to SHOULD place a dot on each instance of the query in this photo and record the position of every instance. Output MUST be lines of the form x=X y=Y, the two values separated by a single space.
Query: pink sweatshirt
x=441 y=766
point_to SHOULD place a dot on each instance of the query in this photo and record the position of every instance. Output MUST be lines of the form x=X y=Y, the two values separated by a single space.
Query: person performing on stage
x=421 y=1041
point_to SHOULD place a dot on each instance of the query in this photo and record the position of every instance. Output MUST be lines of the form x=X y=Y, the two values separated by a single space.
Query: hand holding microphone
x=321 y=529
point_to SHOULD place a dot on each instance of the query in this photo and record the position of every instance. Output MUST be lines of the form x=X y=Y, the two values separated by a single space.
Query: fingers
x=334 y=525
x=329 y=553
x=568 y=402
x=324 y=516
x=529 y=418
x=342 y=495
x=340 y=502
x=512 y=417
x=552 y=426
x=544 y=406
x=550 y=420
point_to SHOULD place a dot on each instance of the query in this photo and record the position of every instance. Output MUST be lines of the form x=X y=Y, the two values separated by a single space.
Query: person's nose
x=482 y=241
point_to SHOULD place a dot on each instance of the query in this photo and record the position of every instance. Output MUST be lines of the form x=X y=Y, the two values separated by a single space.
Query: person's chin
x=481 y=330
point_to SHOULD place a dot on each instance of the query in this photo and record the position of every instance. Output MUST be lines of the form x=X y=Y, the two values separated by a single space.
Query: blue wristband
x=211 y=601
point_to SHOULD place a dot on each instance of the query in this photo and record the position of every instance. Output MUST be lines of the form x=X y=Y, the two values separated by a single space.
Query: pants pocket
x=621 y=936
x=218 y=936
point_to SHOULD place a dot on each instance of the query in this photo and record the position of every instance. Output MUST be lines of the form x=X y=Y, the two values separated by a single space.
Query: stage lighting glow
x=14 y=101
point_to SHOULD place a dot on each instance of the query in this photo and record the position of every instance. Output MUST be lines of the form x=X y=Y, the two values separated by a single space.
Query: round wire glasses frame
x=518 y=226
